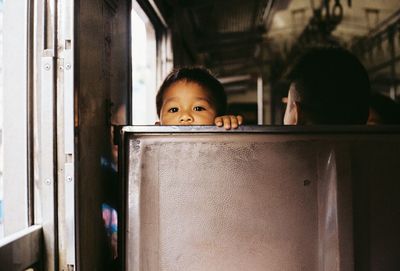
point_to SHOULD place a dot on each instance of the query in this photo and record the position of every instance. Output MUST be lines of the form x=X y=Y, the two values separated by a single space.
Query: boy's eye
x=173 y=110
x=198 y=108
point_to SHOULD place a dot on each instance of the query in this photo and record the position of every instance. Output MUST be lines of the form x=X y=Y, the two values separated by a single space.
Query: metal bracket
x=47 y=121
x=68 y=103
x=70 y=211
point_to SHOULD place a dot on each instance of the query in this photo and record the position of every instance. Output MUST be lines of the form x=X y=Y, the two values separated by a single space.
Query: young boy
x=193 y=96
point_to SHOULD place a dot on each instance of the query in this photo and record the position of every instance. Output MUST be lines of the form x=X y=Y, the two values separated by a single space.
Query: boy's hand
x=229 y=121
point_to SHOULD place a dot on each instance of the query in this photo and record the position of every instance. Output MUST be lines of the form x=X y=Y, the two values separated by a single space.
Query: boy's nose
x=186 y=118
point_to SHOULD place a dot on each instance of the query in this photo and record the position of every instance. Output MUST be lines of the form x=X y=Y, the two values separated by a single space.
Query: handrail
x=316 y=129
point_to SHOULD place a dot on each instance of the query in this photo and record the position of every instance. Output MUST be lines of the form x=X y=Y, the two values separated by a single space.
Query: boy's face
x=187 y=103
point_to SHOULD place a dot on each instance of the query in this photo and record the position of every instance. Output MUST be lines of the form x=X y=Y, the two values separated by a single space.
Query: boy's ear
x=298 y=114
x=157 y=123
x=292 y=114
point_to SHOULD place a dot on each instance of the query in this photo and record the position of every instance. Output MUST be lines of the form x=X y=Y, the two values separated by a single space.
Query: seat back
x=260 y=199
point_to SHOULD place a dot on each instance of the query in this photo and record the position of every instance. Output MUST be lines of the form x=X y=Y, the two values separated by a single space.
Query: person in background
x=193 y=96
x=110 y=170
x=329 y=85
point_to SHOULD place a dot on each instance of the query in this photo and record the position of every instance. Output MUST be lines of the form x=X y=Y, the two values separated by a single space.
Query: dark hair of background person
x=383 y=110
x=332 y=86
x=200 y=76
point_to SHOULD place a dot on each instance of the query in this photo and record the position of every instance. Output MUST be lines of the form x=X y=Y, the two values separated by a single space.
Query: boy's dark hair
x=200 y=76
x=387 y=109
x=332 y=86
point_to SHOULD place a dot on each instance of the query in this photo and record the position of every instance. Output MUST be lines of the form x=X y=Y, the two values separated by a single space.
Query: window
x=17 y=137
x=13 y=117
x=144 y=71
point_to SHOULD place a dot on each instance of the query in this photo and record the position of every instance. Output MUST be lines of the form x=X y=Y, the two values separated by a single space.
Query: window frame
x=32 y=76
x=144 y=117
x=163 y=46
x=20 y=233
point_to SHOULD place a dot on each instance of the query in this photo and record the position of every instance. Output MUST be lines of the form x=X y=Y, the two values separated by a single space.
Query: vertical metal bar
x=131 y=187
x=30 y=112
x=66 y=142
x=47 y=119
x=49 y=26
x=159 y=14
x=67 y=54
x=70 y=213
x=391 y=34
x=129 y=96
x=47 y=158
x=260 y=101
x=44 y=128
x=68 y=103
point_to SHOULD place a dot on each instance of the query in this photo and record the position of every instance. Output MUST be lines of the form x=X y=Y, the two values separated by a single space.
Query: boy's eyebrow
x=170 y=99
x=204 y=99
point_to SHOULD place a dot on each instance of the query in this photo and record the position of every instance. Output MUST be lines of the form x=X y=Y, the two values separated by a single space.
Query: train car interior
x=92 y=178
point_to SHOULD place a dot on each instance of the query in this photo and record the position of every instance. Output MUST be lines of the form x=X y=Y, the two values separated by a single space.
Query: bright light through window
x=143 y=69
x=13 y=117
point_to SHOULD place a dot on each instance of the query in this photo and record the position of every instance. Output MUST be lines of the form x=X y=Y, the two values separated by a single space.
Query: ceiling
x=225 y=36
x=241 y=39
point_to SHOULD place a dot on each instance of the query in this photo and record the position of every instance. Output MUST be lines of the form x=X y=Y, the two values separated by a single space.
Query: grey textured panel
x=249 y=201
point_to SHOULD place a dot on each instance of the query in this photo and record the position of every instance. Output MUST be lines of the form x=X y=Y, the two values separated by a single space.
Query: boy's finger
x=240 y=119
x=234 y=122
x=227 y=122
x=218 y=121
